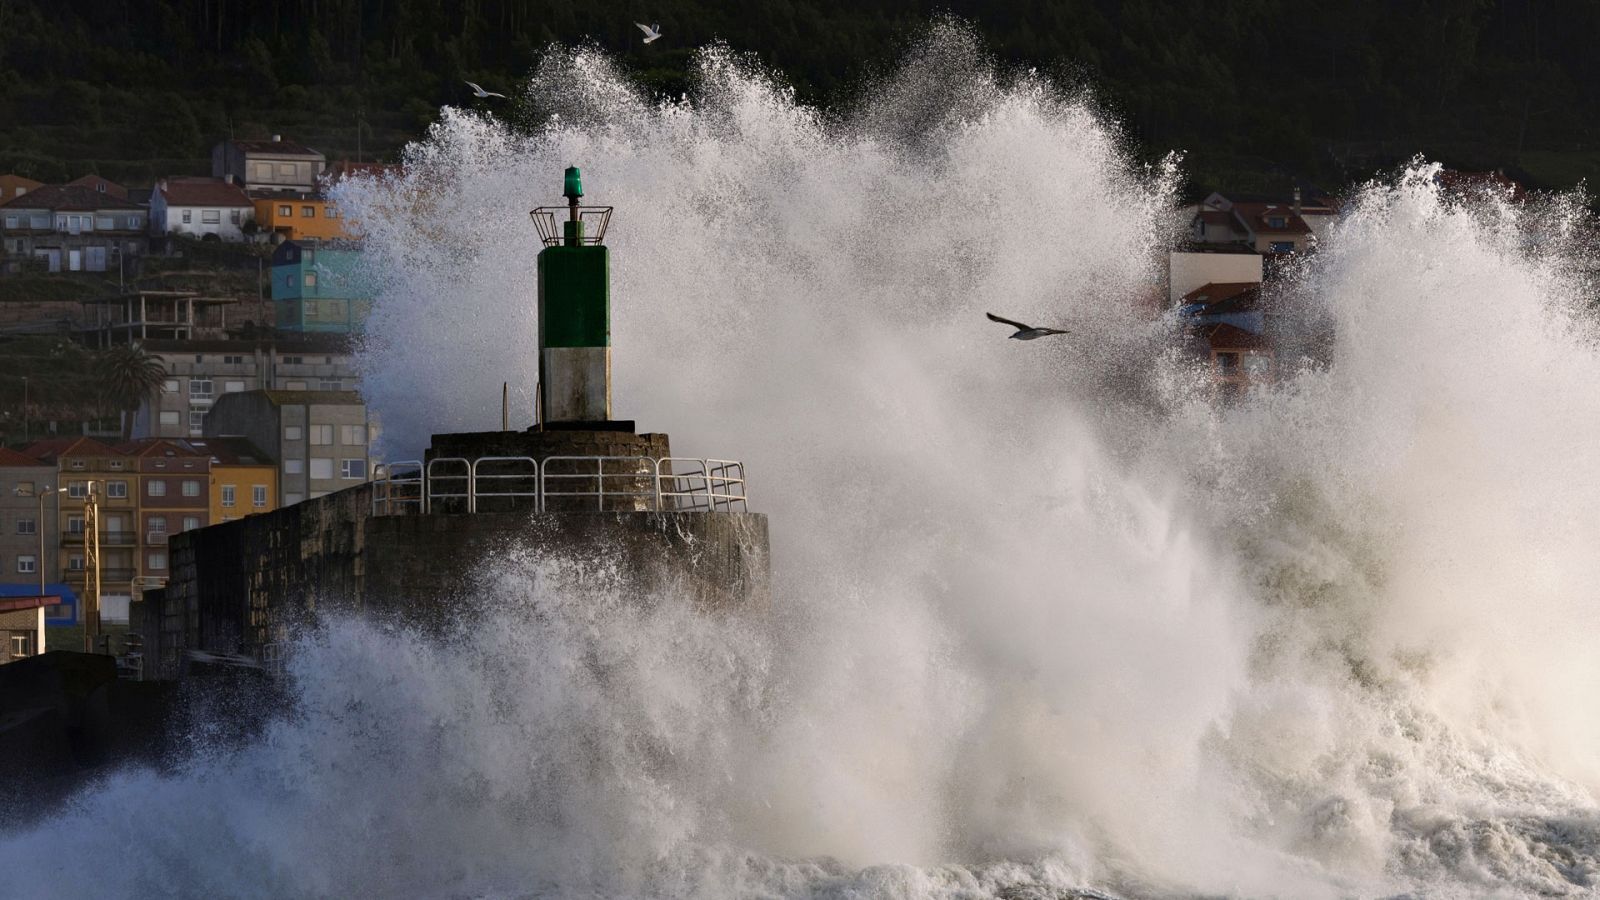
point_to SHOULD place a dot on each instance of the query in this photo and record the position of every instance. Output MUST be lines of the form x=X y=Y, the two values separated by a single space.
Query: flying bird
x=651 y=32
x=480 y=92
x=1026 y=332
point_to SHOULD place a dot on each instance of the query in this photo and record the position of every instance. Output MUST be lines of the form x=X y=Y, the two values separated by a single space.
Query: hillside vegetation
x=1255 y=90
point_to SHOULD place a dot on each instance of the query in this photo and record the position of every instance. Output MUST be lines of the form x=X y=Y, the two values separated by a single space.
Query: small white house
x=200 y=206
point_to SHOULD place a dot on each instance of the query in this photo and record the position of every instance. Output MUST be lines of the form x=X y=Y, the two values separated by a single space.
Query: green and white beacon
x=574 y=310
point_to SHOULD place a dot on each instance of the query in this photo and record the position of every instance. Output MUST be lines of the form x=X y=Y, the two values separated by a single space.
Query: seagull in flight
x=480 y=92
x=651 y=32
x=1026 y=332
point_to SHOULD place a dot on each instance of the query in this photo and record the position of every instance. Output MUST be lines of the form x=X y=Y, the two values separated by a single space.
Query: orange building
x=244 y=481
x=14 y=186
x=300 y=216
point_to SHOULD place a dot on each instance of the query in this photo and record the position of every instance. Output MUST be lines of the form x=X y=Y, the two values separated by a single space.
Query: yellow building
x=301 y=216
x=244 y=481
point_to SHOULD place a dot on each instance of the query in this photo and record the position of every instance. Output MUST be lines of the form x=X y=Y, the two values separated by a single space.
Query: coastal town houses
x=71 y=229
x=244 y=480
x=100 y=186
x=201 y=371
x=173 y=494
x=1264 y=225
x=14 y=186
x=275 y=166
x=28 y=550
x=205 y=208
x=319 y=286
x=85 y=466
x=321 y=439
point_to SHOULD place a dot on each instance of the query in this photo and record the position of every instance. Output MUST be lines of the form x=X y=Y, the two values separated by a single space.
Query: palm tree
x=127 y=375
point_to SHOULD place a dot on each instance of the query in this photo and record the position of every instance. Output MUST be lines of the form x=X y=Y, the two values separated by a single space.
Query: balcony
x=107 y=538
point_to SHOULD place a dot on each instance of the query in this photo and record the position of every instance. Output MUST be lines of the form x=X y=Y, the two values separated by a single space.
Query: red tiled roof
x=202 y=192
x=1255 y=215
x=1236 y=295
x=93 y=183
x=68 y=197
x=155 y=447
x=10 y=458
x=1229 y=337
x=56 y=448
x=1214 y=217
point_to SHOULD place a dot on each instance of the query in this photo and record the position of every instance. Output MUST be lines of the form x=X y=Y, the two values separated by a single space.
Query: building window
x=77 y=490
x=75 y=562
x=286 y=169
x=211 y=216
x=258 y=496
x=292 y=433
x=169 y=417
x=104 y=223
x=21 y=645
x=157 y=559
x=157 y=526
x=116 y=489
x=294 y=466
x=308 y=212
x=1282 y=246
x=233 y=360
x=135 y=222
x=155 y=487
x=27 y=565
x=191 y=522
x=78 y=465
x=11 y=221
x=286 y=211
x=311 y=279
x=321 y=467
x=353 y=435
x=232 y=387
x=1227 y=363
x=200 y=389
x=321 y=435
x=294 y=360
x=197 y=421
x=191 y=488
x=330 y=384
x=170 y=386
x=331 y=212
x=24 y=489
x=233 y=217
x=1276 y=222
x=352 y=468
x=187 y=216
x=27 y=526
x=227 y=495
x=75 y=525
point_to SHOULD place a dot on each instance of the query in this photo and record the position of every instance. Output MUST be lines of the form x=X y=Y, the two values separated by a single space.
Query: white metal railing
x=559 y=484
x=397 y=488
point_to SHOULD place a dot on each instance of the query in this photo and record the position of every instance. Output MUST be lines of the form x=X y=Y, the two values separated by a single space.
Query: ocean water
x=1047 y=619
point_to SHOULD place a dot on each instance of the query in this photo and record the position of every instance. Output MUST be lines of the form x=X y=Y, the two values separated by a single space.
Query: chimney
x=1297 y=200
x=277 y=139
x=228 y=178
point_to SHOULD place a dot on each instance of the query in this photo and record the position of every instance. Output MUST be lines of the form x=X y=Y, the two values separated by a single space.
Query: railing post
x=538 y=486
x=655 y=482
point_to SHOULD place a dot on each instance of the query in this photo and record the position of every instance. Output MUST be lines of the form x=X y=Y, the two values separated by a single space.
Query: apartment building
x=320 y=286
x=84 y=465
x=244 y=480
x=173 y=494
x=321 y=439
x=71 y=229
x=201 y=371
x=28 y=548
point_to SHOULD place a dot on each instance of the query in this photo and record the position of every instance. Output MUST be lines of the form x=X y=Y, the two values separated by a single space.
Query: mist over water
x=1045 y=616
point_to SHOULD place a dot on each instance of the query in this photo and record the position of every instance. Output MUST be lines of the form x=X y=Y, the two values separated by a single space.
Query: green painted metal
x=574 y=297
x=573 y=188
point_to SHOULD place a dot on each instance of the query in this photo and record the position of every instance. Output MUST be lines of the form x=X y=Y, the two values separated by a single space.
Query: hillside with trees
x=1256 y=91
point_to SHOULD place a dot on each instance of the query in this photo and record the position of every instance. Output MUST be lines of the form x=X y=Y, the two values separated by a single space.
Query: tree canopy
x=1255 y=91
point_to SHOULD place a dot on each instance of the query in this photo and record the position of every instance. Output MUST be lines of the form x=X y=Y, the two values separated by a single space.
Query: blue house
x=63 y=613
x=319 y=286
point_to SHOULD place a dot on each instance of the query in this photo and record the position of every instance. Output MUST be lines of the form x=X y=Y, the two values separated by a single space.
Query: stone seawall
x=241 y=585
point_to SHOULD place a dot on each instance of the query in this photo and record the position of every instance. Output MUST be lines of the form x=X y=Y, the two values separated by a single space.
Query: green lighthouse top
x=574 y=184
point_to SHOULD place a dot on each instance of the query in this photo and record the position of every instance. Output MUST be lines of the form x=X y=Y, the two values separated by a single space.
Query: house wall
x=301 y=219
x=249 y=367
x=244 y=480
x=229 y=226
x=17 y=513
x=1188 y=271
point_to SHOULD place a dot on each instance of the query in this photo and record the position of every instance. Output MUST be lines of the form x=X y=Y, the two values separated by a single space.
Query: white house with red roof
x=199 y=207
x=1263 y=224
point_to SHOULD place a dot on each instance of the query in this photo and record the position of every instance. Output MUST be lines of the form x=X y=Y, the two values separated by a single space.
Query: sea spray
x=1045 y=615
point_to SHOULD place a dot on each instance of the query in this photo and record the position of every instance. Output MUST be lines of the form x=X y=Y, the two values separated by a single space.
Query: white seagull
x=480 y=92
x=651 y=32
x=1026 y=332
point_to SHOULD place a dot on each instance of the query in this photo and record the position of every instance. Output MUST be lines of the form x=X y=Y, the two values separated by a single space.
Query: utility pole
x=25 y=410
x=91 y=558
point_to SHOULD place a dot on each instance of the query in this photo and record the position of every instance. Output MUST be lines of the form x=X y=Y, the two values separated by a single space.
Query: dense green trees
x=1256 y=90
